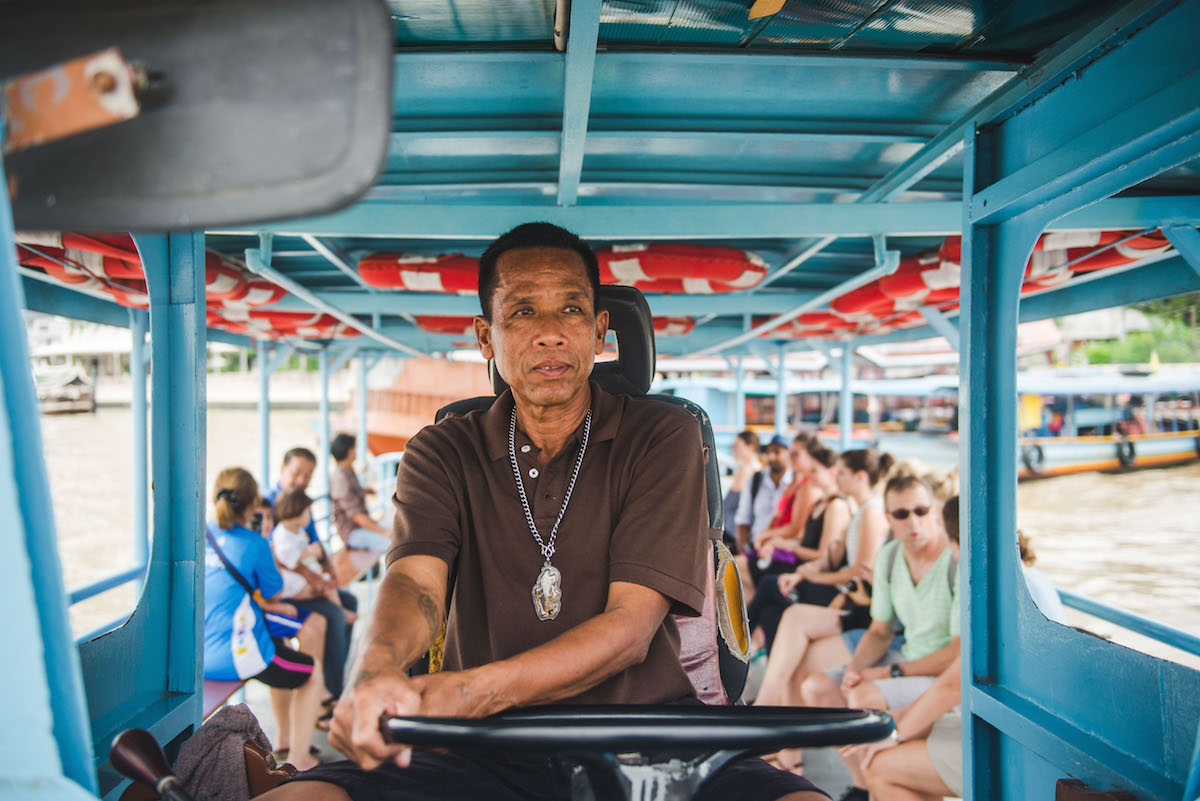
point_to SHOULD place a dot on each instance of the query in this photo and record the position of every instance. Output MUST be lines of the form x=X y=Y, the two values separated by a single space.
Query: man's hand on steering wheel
x=355 y=728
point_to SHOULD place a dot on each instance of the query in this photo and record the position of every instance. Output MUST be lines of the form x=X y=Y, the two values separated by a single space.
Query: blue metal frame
x=1072 y=148
x=577 y=95
x=1147 y=627
x=48 y=755
x=148 y=671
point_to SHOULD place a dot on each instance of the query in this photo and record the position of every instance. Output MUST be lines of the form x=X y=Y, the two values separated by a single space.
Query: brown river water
x=1130 y=540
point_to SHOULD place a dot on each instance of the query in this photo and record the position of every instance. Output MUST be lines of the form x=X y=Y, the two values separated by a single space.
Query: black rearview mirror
x=247 y=110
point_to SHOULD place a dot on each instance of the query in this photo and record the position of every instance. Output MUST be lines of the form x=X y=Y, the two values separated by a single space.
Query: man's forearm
x=934 y=663
x=572 y=663
x=406 y=620
x=871 y=648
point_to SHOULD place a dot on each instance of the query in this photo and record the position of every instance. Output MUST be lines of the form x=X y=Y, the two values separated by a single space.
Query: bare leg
x=305 y=791
x=864 y=695
x=905 y=773
x=800 y=625
x=281 y=705
x=312 y=636
x=743 y=567
x=819 y=690
x=822 y=655
x=306 y=707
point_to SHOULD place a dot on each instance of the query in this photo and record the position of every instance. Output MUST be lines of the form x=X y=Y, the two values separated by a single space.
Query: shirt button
x=533 y=472
x=549 y=496
x=524 y=449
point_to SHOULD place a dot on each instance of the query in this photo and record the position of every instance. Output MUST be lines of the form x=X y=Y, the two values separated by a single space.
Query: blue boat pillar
x=781 y=398
x=1043 y=701
x=49 y=755
x=846 y=398
x=269 y=360
x=139 y=323
x=323 y=465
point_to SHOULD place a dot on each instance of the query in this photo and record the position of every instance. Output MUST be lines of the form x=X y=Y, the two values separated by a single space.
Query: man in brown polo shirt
x=574 y=522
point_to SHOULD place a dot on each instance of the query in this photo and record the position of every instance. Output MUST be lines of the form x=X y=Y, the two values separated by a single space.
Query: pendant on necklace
x=547 y=592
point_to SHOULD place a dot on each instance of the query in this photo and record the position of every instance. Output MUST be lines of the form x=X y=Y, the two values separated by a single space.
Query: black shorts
x=515 y=777
x=288 y=670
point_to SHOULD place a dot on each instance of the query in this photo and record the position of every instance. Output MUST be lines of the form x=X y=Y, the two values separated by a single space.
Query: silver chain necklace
x=547 y=589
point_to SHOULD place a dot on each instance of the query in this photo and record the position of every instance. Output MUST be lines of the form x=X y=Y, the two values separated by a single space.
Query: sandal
x=325 y=721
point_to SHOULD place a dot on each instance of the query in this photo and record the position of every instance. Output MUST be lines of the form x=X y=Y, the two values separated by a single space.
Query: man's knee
x=306 y=791
x=866 y=695
x=818 y=689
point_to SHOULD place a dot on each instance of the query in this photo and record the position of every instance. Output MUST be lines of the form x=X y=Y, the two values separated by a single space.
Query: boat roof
x=821 y=137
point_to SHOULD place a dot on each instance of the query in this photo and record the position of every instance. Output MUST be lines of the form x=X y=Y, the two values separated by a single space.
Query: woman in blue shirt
x=237 y=646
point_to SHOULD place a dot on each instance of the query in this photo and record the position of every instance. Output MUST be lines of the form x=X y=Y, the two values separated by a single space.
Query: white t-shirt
x=757 y=512
x=287 y=546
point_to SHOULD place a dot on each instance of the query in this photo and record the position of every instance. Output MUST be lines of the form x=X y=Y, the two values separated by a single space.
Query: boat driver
x=567 y=525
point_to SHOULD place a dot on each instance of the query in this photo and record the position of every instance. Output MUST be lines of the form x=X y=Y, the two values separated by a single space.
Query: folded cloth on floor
x=212 y=762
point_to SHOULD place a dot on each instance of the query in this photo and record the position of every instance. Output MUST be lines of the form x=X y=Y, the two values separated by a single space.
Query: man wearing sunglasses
x=915 y=583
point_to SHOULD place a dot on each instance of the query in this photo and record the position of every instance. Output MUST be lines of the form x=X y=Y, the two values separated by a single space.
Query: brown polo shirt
x=637 y=514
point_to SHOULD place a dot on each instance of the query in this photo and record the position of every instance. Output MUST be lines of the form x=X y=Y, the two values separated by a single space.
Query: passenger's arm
x=871 y=648
x=915 y=721
x=573 y=662
x=407 y=618
x=833 y=534
x=871 y=536
x=934 y=663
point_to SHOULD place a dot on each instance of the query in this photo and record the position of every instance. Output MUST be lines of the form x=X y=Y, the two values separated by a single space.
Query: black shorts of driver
x=464 y=776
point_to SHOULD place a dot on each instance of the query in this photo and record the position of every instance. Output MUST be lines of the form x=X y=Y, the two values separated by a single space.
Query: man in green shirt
x=915 y=582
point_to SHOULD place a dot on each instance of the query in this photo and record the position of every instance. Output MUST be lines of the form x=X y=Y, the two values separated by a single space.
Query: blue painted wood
x=577 y=95
x=139 y=325
x=1018 y=663
x=147 y=672
x=105 y=584
x=1148 y=627
x=1186 y=239
x=44 y=743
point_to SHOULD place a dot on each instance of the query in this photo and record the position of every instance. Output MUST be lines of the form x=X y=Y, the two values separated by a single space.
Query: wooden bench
x=348 y=567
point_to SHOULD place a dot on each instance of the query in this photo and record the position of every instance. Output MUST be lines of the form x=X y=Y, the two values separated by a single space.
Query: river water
x=1129 y=540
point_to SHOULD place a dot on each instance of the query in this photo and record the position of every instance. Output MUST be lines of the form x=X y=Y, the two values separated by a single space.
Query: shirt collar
x=606 y=419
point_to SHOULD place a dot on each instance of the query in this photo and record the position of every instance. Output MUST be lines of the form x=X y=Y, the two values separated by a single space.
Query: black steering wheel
x=644 y=752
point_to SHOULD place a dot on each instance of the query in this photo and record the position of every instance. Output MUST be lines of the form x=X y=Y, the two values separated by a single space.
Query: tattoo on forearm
x=433 y=615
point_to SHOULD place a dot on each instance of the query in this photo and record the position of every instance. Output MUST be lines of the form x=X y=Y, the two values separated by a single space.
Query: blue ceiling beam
x=703 y=221
x=51 y=297
x=632 y=221
x=577 y=95
x=399 y=303
x=1185 y=239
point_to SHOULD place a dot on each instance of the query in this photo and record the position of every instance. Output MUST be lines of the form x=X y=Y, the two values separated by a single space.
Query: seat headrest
x=629 y=318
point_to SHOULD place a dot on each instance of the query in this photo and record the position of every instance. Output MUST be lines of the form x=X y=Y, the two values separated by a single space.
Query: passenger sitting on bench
x=541 y=613
x=307 y=586
x=350 y=517
x=238 y=566
x=916 y=582
x=296 y=473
